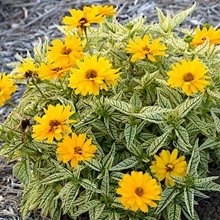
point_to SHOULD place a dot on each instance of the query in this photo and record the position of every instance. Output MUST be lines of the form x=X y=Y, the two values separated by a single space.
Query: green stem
x=11 y=103
x=35 y=84
x=61 y=84
x=87 y=42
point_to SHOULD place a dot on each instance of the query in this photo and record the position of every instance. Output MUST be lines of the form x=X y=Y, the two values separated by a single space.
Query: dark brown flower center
x=188 y=77
x=82 y=21
x=54 y=124
x=66 y=50
x=169 y=167
x=146 y=48
x=90 y=74
x=57 y=69
x=139 y=191
x=78 y=150
x=28 y=74
x=25 y=123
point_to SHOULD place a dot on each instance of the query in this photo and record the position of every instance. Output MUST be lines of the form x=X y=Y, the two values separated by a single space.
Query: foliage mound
x=117 y=121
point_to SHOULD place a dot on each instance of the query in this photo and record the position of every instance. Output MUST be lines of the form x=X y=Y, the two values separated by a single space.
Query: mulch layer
x=22 y=22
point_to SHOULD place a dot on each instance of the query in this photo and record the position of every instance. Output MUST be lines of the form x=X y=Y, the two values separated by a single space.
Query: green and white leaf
x=184 y=108
x=22 y=170
x=166 y=198
x=86 y=207
x=87 y=184
x=125 y=164
x=183 y=137
x=152 y=114
x=194 y=162
x=109 y=158
x=174 y=212
x=93 y=164
x=130 y=132
x=95 y=213
x=158 y=143
x=189 y=201
x=105 y=184
x=179 y=18
x=216 y=121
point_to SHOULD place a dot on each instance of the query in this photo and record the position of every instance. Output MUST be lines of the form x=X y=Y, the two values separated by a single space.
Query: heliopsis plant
x=117 y=121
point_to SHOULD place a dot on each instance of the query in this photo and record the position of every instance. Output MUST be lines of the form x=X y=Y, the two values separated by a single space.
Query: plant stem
x=11 y=103
x=35 y=84
x=87 y=42
x=61 y=84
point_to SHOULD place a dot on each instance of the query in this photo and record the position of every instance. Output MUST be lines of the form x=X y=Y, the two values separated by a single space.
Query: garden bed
x=22 y=22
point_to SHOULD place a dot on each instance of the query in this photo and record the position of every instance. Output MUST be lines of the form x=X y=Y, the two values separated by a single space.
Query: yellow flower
x=75 y=149
x=142 y=48
x=7 y=87
x=167 y=164
x=26 y=69
x=49 y=71
x=92 y=75
x=188 y=75
x=107 y=10
x=200 y=36
x=138 y=191
x=82 y=19
x=53 y=124
x=65 y=54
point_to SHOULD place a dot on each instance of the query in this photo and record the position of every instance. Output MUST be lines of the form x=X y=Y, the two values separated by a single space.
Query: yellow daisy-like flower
x=168 y=164
x=200 y=36
x=106 y=10
x=189 y=75
x=75 y=149
x=26 y=69
x=138 y=191
x=53 y=124
x=82 y=18
x=142 y=48
x=49 y=71
x=7 y=87
x=65 y=54
x=92 y=75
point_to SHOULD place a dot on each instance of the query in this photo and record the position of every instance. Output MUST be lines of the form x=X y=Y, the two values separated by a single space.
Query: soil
x=23 y=21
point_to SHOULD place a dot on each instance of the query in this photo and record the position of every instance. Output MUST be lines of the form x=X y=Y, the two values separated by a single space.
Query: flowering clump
x=117 y=121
